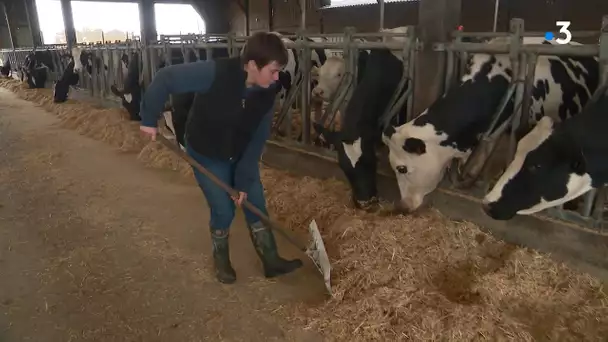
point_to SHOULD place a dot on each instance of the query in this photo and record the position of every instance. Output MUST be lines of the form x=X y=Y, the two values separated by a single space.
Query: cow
x=130 y=95
x=330 y=73
x=287 y=75
x=37 y=68
x=62 y=86
x=85 y=59
x=420 y=150
x=6 y=70
x=81 y=59
x=554 y=163
x=360 y=133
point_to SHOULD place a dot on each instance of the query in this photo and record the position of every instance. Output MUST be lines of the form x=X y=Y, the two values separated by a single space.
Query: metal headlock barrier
x=171 y=49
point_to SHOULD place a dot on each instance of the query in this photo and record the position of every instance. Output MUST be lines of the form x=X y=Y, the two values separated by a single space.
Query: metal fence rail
x=347 y=45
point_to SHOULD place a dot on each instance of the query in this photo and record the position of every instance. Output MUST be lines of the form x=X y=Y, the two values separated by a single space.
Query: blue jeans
x=221 y=206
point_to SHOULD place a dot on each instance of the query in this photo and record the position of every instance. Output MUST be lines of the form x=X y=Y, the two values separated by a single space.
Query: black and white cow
x=330 y=73
x=130 y=95
x=62 y=86
x=84 y=59
x=360 y=133
x=421 y=150
x=6 y=70
x=554 y=163
x=81 y=59
x=37 y=68
x=288 y=74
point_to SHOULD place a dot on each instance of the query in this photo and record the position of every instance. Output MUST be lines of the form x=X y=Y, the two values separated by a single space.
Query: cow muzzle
x=490 y=209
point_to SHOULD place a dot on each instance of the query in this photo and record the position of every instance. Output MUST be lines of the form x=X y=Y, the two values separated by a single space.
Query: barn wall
x=477 y=15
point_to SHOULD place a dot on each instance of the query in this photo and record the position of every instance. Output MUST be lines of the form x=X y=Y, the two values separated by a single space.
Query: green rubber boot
x=266 y=248
x=221 y=257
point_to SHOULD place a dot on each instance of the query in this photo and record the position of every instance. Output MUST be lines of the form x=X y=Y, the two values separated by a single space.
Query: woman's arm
x=179 y=78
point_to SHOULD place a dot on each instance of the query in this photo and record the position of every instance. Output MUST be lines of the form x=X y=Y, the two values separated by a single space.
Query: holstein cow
x=288 y=74
x=130 y=95
x=421 y=150
x=85 y=59
x=81 y=59
x=553 y=164
x=330 y=73
x=62 y=86
x=6 y=70
x=37 y=68
x=360 y=132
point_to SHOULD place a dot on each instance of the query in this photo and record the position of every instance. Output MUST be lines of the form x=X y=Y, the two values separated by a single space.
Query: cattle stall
x=107 y=71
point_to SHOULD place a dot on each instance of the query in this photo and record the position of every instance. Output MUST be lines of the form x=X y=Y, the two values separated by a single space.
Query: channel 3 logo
x=563 y=25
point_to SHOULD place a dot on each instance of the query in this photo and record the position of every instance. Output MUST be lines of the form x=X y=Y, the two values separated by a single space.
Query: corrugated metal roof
x=352 y=3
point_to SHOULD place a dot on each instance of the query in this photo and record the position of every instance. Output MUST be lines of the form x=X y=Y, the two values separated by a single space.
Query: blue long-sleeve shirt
x=198 y=77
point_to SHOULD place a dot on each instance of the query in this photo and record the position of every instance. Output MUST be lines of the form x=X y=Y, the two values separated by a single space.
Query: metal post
x=270 y=15
x=496 y=5
x=303 y=14
x=8 y=26
x=381 y=3
x=32 y=22
x=518 y=65
x=247 y=22
x=68 y=23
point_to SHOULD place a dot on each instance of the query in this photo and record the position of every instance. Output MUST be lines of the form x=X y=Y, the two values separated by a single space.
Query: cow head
x=328 y=76
x=549 y=169
x=419 y=159
x=81 y=59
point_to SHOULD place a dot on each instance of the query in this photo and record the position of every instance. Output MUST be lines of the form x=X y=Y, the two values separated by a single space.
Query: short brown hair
x=263 y=48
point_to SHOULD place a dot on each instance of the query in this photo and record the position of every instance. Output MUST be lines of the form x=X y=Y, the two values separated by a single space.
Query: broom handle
x=173 y=147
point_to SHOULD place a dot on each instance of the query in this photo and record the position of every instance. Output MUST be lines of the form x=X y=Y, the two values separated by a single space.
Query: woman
x=226 y=130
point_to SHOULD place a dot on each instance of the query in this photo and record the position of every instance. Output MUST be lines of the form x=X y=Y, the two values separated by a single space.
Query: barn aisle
x=96 y=247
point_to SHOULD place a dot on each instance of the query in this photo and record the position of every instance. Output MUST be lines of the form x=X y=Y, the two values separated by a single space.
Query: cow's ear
x=388 y=132
x=387 y=135
x=414 y=145
x=314 y=71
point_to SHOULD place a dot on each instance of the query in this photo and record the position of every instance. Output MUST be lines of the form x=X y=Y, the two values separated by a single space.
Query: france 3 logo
x=563 y=25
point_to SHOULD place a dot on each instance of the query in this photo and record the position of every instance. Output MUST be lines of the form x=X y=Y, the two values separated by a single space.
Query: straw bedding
x=419 y=277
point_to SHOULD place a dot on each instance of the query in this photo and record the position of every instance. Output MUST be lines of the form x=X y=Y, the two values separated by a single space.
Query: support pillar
x=68 y=23
x=10 y=26
x=32 y=21
x=270 y=16
x=147 y=21
x=436 y=19
x=247 y=23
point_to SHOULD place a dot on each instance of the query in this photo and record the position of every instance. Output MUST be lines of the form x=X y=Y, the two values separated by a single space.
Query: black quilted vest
x=222 y=121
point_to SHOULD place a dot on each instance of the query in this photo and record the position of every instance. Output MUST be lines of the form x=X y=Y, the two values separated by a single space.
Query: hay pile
x=108 y=125
x=427 y=278
x=403 y=278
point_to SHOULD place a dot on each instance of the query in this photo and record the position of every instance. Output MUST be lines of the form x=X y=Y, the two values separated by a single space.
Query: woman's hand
x=239 y=201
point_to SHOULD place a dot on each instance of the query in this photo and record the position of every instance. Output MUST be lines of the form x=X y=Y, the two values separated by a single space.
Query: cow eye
x=402 y=169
